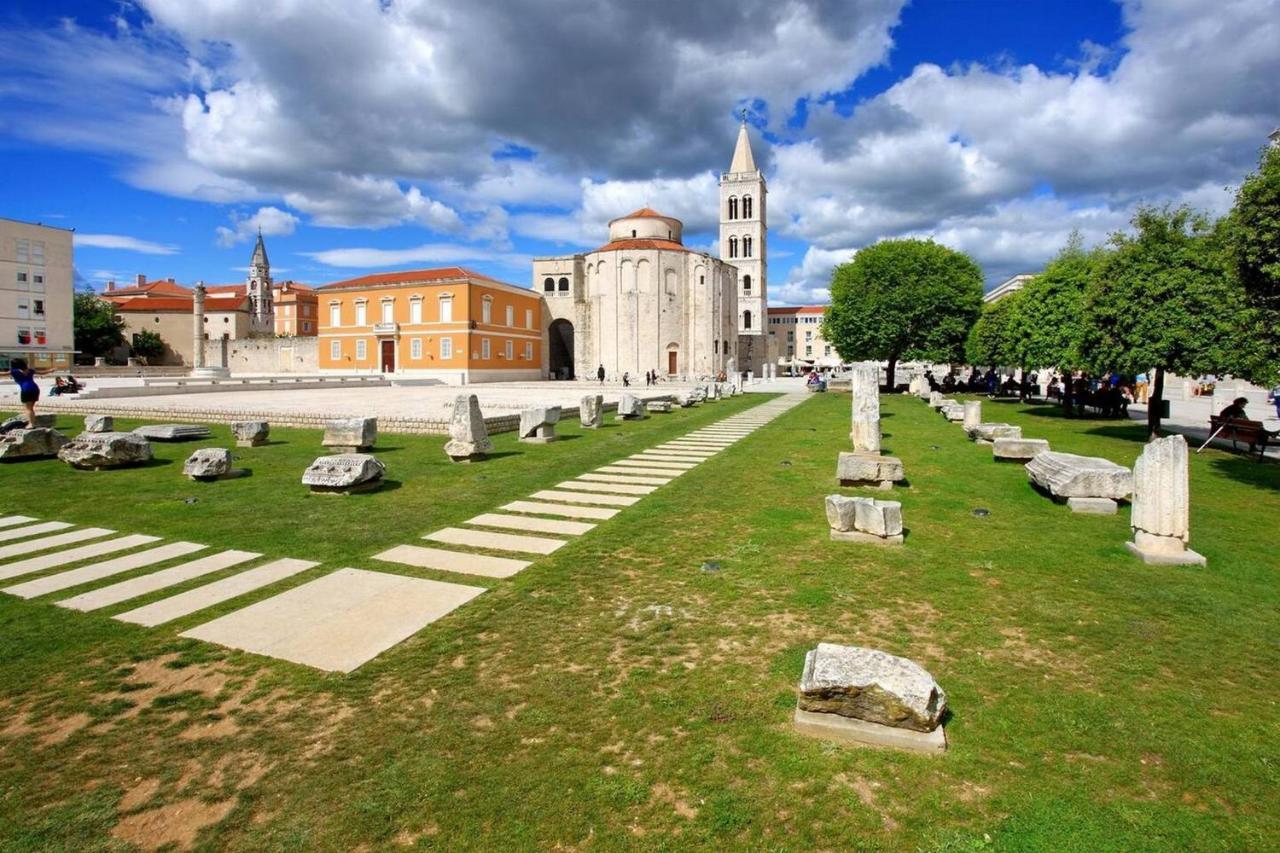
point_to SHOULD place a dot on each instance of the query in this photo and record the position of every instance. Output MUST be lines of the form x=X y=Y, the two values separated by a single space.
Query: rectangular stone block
x=1066 y=475
x=619 y=478
x=1019 y=449
x=846 y=730
x=868 y=469
x=1092 y=506
x=46 y=543
x=12 y=520
x=202 y=597
x=351 y=435
x=453 y=561
x=563 y=510
x=606 y=488
x=92 y=572
x=495 y=541
x=530 y=525
x=143 y=584
x=584 y=498
x=31 y=530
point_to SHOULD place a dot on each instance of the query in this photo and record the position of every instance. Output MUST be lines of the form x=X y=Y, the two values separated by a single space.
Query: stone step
x=530 y=525
x=46 y=543
x=617 y=478
x=638 y=470
x=124 y=564
x=606 y=488
x=675 y=461
x=642 y=461
x=452 y=561
x=597 y=513
x=583 y=498
x=678 y=454
x=134 y=587
x=495 y=541
x=11 y=520
x=193 y=600
x=32 y=530
x=339 y=621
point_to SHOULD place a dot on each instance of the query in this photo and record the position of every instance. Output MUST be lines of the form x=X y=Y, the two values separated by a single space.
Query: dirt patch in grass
x=866 y=791
x=64 y=727
x=138 y=795
x=1021 y=652
x=176 y=823
x=679 y=802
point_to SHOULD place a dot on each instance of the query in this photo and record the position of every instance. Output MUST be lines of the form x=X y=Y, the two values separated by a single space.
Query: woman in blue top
x=28 y=390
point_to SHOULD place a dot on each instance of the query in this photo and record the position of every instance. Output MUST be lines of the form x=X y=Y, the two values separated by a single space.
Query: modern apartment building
x=36 y=297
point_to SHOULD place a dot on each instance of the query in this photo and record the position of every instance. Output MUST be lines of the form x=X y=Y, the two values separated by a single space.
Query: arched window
x=549 y=284
x=733 y=247
x=746 y=247
x=564 y=285
x=746 y=284
x=746 y=207
x=733 y=207
x=746 y=319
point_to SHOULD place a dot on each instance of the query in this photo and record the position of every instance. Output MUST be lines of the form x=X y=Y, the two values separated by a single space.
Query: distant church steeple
x=743 y=243
x=261 y=309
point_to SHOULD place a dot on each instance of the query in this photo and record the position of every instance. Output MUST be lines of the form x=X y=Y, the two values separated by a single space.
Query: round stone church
x=644 y=301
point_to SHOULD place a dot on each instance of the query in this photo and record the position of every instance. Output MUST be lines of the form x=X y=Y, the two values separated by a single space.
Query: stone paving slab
x=656 y=462
x=11 y=520
x=694 y=448
x=584 y=498
x=84 y=574
x=607 y=488
x=129 y=561
x=33 y=530
x=45 y=543
x=598 y=513
x=618 y=478
x=452 y=561
x=495 y=541
x=134 y=587
x=186 y=603
x=339 y=621
x=530 y=525
x=679 y=455
x=638 y=470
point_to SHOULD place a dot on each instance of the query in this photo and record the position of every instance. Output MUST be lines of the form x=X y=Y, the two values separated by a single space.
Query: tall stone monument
x=199 y=367
x=1161 y=505
x=865 y=433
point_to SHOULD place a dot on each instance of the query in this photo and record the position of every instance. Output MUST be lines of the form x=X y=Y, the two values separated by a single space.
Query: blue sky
x=365 y=136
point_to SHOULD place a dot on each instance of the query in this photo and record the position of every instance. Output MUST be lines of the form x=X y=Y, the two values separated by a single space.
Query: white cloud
x=129 y=244
x=431 y=253
x=268 y=221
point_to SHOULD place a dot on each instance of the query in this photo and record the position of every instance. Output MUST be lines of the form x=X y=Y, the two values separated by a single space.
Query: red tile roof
x=642 y=243
x=798 y=309
x=237 y=289
x=157 y=287
x=409 y=277
x=175 y=303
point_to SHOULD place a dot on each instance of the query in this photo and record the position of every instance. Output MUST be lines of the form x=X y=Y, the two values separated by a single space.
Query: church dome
x=645 y=224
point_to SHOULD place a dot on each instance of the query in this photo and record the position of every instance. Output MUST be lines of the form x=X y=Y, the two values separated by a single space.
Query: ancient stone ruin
x=350 y=435
x=344 y=474
x=972 y=414
x=869 y=469
x=1162 y=505
x=98 y=450
x=854 y=694
x=173 y=432
x=38 y=443
x=865 y=431
x=250 y=433
x=1019 y=449
x=99 y=423
x=659 y=406
x=591 y=411
x=988 y=433
x=468 y=436
x=210 y=463
x=864 y=520
x=1088 y=484
x=538 y=424
x=631 y=409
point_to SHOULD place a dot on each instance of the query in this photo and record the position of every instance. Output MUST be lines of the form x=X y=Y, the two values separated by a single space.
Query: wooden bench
x=1240 y=431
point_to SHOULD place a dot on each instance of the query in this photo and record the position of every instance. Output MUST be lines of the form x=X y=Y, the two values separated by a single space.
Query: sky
x=367 y=135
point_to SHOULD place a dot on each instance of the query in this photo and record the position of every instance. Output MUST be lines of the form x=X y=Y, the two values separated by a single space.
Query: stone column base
x=1092 y=506
x=1156 y=550
x=538 y=439
x=834 y=727
x=348 y=448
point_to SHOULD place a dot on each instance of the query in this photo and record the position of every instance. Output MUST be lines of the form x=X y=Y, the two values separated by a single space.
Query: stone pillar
x=1162 y=503
x=865 y=433
x=972 y=414
x=197 y=330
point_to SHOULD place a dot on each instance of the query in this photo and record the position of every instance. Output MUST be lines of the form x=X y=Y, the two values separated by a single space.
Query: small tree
x=1253 y=240
x=993 y=340
x=98 y=330
x=901 y=299
x=148 y=344
x=1165 y=299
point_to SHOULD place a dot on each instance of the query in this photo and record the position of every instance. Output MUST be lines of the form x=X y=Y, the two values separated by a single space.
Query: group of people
x=24 y=375
x=978 y=382
x=650 y=377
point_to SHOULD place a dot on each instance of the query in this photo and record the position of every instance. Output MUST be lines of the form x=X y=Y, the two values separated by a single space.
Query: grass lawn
x=614 y=695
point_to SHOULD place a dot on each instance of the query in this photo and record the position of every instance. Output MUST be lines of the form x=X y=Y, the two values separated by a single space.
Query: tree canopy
x=1052 y=318
x=903 y=299
x=1254 y=226
x=147 y=344
x=98 y=330
x=996 y=338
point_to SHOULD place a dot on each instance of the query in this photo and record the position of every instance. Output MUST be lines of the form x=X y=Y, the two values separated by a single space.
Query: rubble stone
x=344 y=473
x=99 y=450
x=468 y=436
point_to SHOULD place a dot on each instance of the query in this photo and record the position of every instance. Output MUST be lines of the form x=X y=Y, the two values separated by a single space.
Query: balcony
x=386 y=328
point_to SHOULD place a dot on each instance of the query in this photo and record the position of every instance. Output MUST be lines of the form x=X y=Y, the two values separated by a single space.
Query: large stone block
x=864 y=431
x=953 y=411
x=631 y=409
x=20 y=422
x=99 y=423
x=591 y=411
x=870 y=685
x=173 y=432
x=350 y=435
x=868 y=469
x=209 y=463
x=99 y=450
x=659 y=406
x=39 y=443
x=1161 y=514
x=1066 y=475
x=250 y=433
x=864 y=519
x=344 y=473
x=972 y=414
x=538 y=424
x=1021 y=449
x=468 y=436
x=936 y=399
x=988 y=433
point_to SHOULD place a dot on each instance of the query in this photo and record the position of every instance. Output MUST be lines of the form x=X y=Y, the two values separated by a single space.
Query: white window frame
x=511 y=316
x=362 y=313
x=528 y=350
x=415 y=310
x=486 y=310
x=528 y=318
x=335 y=314
x=509 y=350
x=335 y=350
x=415 y=348
x=446 y=309
x=362 y=349
x=446 y=348
x=388 y=310
x=486 y=352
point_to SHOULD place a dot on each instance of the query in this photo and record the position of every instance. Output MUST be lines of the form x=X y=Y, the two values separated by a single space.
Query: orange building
x=295 y=309
x=452 y=324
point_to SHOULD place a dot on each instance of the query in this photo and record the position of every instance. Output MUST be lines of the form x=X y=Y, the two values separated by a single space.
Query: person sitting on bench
x=1235 y=411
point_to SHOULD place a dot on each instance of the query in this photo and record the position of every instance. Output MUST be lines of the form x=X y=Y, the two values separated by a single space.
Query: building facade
x=643 y=301
x=36 y=295
x=296 y=310
x=1007 y=287
x=450 y=324
x=744 y=243
x=795 y=341
x=258 y=290
x=226 y=319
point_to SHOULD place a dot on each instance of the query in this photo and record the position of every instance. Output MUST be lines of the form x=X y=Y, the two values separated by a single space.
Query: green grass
x=1097 y=703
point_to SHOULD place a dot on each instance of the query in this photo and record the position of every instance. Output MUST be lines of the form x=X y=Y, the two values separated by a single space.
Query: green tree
x=1164 y=298
x=98 y=330
x=148 y=344
x=997 y=338
x=1252 y=235
x=903 y=299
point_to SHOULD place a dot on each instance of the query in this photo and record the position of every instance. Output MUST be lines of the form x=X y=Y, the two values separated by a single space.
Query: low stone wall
x=272 y=355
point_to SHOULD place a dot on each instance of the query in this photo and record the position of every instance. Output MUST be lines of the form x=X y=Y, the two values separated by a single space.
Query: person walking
x=28 y=390
x=1274 y=397
x=626 y=379
x=1140 y=388
x=600 y=374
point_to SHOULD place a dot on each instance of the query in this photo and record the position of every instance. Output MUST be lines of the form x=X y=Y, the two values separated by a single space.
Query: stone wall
x=274 y=355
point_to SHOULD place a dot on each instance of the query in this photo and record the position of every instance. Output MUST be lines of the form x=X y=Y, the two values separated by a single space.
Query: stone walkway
x=346 y=617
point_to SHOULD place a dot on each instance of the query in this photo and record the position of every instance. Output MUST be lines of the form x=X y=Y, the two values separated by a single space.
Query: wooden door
x=671 y=363
x=388 y=356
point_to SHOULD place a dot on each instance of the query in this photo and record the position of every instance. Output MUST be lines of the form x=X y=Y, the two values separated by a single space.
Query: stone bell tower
x=743 y=236
x=262 y=312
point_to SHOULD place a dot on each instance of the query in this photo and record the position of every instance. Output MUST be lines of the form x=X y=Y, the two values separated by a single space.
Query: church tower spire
x=262 y=313
x=743 y=236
